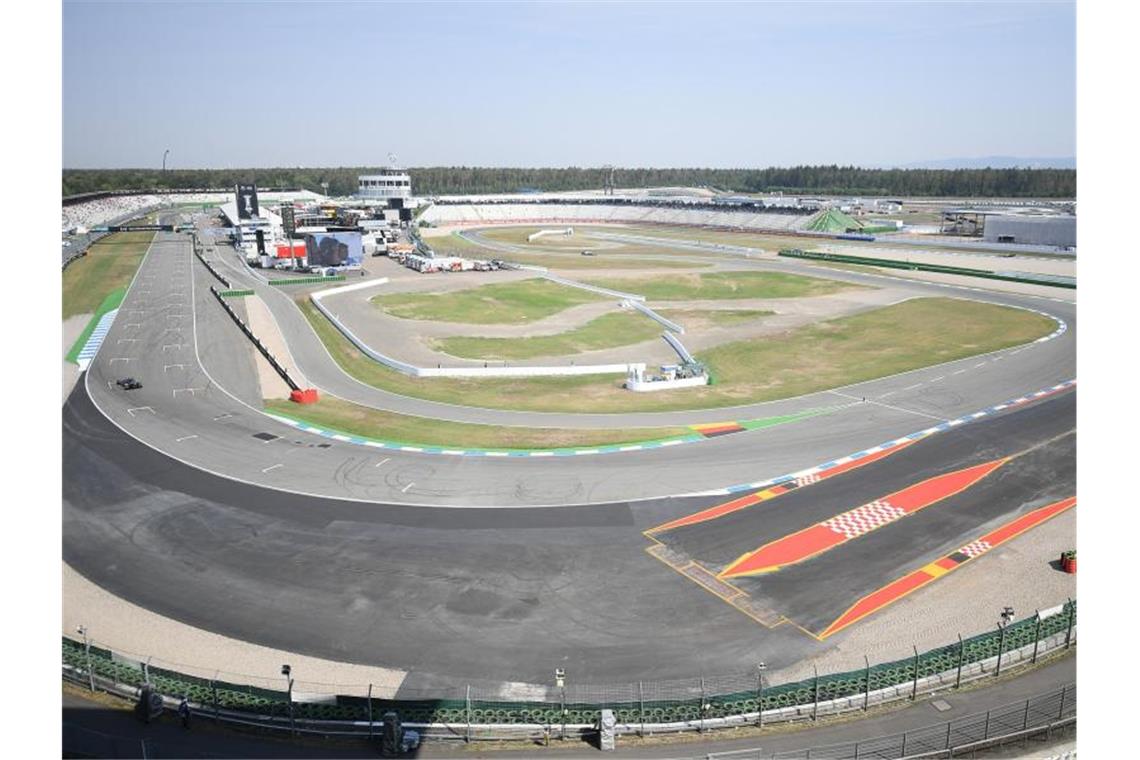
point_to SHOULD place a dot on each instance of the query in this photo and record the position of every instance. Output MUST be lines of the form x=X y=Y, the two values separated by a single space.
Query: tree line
x=455 y=180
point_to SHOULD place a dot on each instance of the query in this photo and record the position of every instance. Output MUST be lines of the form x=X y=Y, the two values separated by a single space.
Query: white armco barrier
x=594 y=288
x=645 y=386
x=543 y=233
x=573 y=369
x=414 y=371
x=668 y=324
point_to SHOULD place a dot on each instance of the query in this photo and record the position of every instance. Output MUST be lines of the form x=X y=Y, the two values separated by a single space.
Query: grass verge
x=906 y=336
x=112 y=301
x=607 y=331
x=109 y=265
x=347 y=417
x=500 y=303
x=724 y=285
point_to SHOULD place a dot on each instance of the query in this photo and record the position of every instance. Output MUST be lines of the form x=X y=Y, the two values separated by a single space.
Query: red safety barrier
x=307 y=396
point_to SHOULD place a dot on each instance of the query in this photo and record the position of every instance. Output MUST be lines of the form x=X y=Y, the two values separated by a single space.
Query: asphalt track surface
x=331 y=549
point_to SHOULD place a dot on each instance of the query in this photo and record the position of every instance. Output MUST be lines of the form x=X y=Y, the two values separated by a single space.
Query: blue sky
x=511 y=84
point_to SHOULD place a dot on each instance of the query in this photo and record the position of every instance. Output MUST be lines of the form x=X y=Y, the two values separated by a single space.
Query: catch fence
x=535 y=711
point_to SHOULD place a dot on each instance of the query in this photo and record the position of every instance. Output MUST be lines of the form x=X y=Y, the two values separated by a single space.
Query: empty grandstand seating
x=600 y=211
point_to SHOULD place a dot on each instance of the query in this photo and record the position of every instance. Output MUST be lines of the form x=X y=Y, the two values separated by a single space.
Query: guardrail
x=922 y=267
x=210 y=268
x=474 y=372
x=666 y=323
x=466 y=712
x=253 y=338
x=593 y=288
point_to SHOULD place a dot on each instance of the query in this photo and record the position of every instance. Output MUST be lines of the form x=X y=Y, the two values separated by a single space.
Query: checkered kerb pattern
x=975 y=548
x=807 y=480
x=864 y=519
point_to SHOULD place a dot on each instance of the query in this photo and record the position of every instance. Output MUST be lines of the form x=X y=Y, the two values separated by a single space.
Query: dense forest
x=441 y=180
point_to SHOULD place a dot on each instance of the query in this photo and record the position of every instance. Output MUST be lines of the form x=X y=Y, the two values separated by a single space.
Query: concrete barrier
x=648 y=386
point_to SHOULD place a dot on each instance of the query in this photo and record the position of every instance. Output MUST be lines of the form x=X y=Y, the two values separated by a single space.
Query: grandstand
x=478 y=212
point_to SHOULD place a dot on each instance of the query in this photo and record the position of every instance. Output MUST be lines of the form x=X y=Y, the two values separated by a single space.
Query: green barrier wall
x=627 y=710
x=307 y=280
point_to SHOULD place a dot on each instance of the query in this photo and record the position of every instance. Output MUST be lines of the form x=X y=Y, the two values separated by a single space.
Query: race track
x=184 y=498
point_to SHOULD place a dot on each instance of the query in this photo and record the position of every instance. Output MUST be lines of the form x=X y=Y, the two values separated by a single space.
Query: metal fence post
x=1025 y=720
x=467 y=710
x=641 y=708
x=815 y=702
x=961 y=656
x=986 y=731
x=949 y=725
x=1001 y=646
x=701 y=726
x=1069 y=632
x=902 y=752
x=146 y=670
x=914 y=689
x=1061 y=712
x=369 y=711
x=87 y=652
x=866 y=683
x=214 y=690
x=1036 y=636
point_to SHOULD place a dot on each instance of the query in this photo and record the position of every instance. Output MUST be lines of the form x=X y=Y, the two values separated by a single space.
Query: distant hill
x=995 y=162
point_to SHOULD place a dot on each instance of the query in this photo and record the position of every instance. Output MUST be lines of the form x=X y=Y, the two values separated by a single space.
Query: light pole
x=164 y=154
x=1006 y=618
x=82 y=631
x=287 y=672
x=760 y=668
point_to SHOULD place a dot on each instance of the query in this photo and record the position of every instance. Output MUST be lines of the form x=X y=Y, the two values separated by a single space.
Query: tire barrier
x=795 y=253
x=257 y=343
x=649 y=707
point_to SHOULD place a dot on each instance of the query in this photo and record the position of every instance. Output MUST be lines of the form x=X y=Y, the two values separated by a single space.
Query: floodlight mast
x=608 y=187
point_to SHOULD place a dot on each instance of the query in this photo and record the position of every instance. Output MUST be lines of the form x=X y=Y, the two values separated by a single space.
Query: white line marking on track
x=405 y=488
x=889 y=406
x=383 y=461
x=132 y=410
x=185 y=438
x=273 y=467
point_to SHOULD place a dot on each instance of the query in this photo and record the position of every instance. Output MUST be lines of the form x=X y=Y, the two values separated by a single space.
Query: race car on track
x=128 y=384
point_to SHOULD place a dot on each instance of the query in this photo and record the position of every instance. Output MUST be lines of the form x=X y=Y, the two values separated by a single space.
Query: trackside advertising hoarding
x=334 y=249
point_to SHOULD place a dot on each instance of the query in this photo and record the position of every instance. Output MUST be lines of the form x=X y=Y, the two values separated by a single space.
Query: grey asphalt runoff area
x=95 y=730
x=182 y=498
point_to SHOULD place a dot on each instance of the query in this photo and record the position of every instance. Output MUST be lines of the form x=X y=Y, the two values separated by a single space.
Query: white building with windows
x=389 y=183
x=245 y=230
